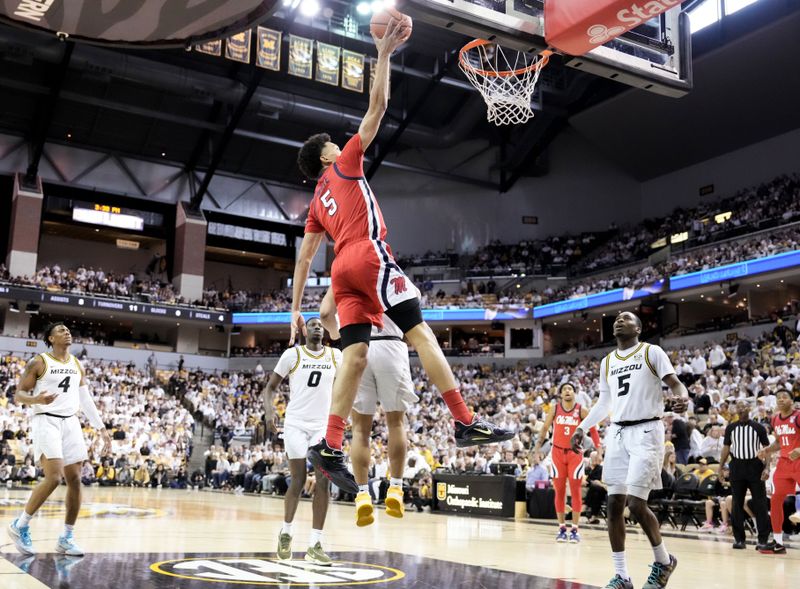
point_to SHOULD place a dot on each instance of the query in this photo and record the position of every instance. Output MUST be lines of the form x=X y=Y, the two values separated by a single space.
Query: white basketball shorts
x=56 y=437
x=634 y=456
x=386 y=380
x=297 y=438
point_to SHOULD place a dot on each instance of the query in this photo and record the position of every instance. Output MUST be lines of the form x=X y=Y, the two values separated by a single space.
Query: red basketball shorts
x=566 y=464
x=366 y=282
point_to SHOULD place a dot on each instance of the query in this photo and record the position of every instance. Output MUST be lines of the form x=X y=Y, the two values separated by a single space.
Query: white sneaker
x=21 y=537
x=66 y=545
x=795 y=517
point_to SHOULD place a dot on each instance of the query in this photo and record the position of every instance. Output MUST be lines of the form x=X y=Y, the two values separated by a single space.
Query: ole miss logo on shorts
x=399 y=284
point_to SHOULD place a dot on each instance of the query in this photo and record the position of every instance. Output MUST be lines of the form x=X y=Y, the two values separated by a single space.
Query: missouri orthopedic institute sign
x=152 y=23
x=270 y=572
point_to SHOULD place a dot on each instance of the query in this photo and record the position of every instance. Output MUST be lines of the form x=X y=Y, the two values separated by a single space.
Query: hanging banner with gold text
x=301 y=53
x=210 y=48
x=237 y=48
x=268 y=54
x=352 y=71
x=328 y=63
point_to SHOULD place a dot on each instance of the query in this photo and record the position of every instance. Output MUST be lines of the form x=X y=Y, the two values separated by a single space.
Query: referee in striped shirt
x=743 y=440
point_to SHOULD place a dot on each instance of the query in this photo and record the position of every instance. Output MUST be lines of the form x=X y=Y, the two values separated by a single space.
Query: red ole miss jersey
x=343 y=203
x=564 y=425
x=787 y=430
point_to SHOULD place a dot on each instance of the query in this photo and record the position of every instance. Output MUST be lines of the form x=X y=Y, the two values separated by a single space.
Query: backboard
x=655 y=56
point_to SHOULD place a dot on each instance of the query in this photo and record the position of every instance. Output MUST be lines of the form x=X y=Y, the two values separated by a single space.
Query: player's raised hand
x=577 y=441
x=297 y=327
x=45 y=398
x=396 y=34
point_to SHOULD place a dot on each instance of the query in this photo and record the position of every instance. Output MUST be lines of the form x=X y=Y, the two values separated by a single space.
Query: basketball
x=380 y=20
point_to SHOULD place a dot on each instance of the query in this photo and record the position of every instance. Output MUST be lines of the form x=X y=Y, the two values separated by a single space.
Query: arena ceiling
x=178 y=106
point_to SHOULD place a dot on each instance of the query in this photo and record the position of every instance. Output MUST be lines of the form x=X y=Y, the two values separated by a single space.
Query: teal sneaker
x=21 y=537
x=66 y=545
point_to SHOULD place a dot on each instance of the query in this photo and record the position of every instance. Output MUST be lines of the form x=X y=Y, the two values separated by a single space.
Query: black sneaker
x=660 y=574
x=739 y=545
x=480 y=432
x=766 y=547
x=333 y=465
x=778 y=548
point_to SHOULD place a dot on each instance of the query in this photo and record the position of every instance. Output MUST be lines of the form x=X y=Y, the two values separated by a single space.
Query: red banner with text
x=578 y=26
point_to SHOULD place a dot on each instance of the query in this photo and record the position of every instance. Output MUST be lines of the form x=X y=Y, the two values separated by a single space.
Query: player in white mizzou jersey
x=311 y=370
x=55 y=386
x=631 y=382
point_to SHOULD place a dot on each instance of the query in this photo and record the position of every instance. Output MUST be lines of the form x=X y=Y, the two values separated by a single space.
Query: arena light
x=363 y=8
x=309 y=7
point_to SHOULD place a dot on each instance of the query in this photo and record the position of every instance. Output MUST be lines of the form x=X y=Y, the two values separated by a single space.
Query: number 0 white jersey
x=310 y=384
x=63 y=379
x=633 y=380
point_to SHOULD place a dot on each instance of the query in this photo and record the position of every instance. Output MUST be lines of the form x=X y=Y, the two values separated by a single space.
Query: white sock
x=68 y=529
x=396 y=482
x=287 y=528
x=363 y=489
x=620 y=566
x=661 y=554
x=778 y=537
x=316 y=536
x=24 y=519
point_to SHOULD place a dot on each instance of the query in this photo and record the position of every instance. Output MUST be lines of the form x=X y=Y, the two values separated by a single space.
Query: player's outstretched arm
x=308 y=249
x=379 y=97
x=27 y=382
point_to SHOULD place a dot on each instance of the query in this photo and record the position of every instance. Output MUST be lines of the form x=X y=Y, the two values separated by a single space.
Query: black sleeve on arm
x=727 y=440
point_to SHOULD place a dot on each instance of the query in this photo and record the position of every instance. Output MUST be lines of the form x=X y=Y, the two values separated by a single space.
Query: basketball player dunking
x=565 y=416
x=55 y=385
x=366 y=280
x=786 y=425
x=631 y=380
x=311 y=370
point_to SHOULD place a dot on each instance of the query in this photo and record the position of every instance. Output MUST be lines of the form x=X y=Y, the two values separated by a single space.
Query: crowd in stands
x=769 y=205
x=152 y=424
x=148 y=427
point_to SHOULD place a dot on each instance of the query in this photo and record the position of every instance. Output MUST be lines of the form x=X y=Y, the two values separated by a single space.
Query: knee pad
x=407 y=315
x=357 y=333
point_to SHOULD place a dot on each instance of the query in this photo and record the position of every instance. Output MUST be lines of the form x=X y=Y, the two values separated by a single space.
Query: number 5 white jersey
x=311 y=377
x=633 y=380
x=63 y=379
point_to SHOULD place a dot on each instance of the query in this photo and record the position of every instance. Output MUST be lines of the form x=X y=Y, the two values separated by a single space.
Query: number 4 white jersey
x=633 y=380
x=311 y=377
x=63 y=379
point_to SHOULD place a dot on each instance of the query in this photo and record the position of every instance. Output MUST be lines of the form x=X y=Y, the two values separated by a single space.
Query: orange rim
x=537 y=65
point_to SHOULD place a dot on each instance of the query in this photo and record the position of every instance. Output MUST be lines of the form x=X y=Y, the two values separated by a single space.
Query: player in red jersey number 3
x=366 y=280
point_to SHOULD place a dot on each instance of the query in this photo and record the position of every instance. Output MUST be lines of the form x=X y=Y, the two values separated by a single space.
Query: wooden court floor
x=139 y=538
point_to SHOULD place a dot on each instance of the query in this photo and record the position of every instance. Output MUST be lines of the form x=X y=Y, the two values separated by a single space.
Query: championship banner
x=268 y=54
x=210 y=48
x=327 y=63
x=237 y=48
x=352 y=71
x=301 y=53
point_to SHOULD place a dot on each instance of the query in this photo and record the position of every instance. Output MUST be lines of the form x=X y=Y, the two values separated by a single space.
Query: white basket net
x=505 y=78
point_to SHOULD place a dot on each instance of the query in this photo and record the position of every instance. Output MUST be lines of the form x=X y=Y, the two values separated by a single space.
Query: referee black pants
x=759 y=495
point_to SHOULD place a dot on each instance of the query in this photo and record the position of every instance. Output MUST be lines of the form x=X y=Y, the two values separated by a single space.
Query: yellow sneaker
x=364 y=510
x=394 y=502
